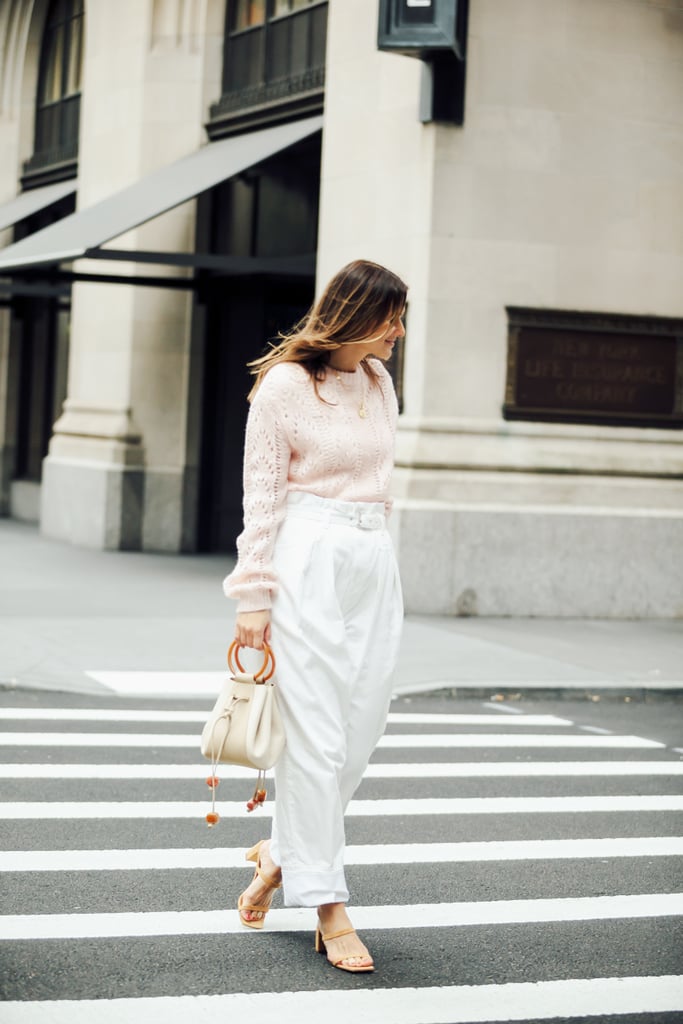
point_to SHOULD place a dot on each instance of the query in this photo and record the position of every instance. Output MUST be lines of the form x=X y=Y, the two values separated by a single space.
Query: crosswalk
x=504 y=867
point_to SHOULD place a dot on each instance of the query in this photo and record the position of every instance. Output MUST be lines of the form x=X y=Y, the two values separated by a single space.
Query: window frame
x=56 y=129
x=265 y=97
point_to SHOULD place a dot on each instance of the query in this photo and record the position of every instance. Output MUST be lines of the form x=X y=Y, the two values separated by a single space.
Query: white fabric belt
x=365 y=515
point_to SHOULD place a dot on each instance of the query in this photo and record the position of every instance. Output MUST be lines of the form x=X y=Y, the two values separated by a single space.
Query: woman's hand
x=252 y=628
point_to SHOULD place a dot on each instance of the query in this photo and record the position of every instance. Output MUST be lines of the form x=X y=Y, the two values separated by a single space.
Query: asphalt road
x=513 y=866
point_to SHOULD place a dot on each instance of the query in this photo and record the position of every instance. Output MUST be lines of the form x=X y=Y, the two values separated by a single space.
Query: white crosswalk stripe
x=411 y=770
x=391 y=740
x=592 y=841
x=357 y=808
x=453 y=1004
x=188 y=715
x=424 y=915
x=403 y=853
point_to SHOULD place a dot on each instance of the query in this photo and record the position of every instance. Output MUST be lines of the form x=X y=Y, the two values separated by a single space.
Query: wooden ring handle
x=269 y=657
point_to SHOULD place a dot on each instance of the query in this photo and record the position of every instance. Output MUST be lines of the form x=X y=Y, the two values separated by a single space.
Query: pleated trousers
x=336 y=627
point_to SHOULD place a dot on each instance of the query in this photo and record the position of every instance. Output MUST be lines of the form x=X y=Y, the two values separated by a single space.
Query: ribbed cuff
x=256 y=601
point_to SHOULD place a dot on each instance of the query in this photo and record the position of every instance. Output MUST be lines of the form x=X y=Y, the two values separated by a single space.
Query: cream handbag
x=245 y=727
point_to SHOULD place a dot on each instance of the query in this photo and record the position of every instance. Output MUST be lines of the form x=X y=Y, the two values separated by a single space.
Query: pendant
x=361 y=411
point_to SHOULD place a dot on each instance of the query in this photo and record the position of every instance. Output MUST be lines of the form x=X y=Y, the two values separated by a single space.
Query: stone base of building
x=115 y=507
x=92 y=504
x=24 y=501
x=539 y=560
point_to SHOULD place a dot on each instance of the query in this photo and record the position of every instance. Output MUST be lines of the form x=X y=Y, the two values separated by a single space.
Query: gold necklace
x=362 y=412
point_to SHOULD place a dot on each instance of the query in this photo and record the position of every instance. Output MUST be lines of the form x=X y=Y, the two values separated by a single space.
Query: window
x=59 y=93
x=287 y=6
x=274 y=62
x=249 y=13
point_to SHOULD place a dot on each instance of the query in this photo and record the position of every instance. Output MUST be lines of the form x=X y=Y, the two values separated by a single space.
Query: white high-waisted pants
x=336 y=625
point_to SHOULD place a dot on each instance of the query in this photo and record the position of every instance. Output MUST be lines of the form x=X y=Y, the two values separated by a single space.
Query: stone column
x=121 y=472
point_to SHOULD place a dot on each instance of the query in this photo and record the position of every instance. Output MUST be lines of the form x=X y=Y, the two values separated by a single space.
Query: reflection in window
x=59 y=87
x=62 y=52
x=287 y=6
x=249 y=13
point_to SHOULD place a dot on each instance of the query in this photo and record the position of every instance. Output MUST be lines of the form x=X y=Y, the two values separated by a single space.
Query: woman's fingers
x=252 y=628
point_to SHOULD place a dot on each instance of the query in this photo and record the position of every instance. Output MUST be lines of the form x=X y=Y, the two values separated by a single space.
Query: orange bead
x=213 y=781
x=212 y=819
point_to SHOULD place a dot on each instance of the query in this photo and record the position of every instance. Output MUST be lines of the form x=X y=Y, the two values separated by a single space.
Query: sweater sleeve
x=267 y=455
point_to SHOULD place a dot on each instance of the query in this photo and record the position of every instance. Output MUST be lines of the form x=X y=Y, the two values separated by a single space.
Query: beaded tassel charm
x=213 y=817
x=259 y=796
x=257 y=800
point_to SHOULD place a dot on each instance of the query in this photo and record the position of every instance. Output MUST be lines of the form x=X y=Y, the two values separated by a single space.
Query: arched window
x=58 y=99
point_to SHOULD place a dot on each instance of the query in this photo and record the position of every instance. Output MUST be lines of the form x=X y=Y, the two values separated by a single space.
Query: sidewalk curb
x=512 y=692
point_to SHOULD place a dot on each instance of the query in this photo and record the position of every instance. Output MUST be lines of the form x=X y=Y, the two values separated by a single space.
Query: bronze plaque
x=593 y=369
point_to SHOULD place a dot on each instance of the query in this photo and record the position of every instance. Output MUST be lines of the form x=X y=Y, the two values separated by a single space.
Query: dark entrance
x=239 y=323
x=270 y=212
x=38 y=359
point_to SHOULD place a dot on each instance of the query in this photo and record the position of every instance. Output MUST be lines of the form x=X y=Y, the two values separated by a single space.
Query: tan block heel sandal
x=342 y=964
x=255 y=855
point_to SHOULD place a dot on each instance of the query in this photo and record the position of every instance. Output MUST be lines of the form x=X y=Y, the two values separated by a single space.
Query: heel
x=253 y=854
x=319 y=944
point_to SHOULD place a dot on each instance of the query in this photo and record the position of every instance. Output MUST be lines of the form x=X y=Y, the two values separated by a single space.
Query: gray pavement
x=68 y=612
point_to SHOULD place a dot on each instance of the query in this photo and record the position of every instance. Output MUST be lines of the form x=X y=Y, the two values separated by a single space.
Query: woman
x=316 y=573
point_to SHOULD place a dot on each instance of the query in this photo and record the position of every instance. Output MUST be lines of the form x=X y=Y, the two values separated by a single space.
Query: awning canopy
x=28 y=203
x=83 y=233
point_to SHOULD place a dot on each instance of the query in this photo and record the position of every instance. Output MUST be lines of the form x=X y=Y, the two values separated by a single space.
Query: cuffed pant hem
x=313 y=889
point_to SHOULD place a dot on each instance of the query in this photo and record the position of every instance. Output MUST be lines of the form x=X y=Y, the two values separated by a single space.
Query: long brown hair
x=359 y=300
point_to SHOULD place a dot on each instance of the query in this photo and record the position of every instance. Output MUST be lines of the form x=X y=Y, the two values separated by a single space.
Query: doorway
x=269 y=212
x=239 y=323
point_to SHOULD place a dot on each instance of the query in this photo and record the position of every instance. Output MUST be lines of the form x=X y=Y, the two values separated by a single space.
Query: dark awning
x=28 y=203
x=83 y=233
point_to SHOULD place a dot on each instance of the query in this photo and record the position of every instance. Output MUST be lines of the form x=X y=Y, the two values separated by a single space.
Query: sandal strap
x=268 y=879
x=252 y=906
x=356 y=956
x=338 y=935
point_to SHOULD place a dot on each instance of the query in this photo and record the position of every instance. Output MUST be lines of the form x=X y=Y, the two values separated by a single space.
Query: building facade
x=539 y=465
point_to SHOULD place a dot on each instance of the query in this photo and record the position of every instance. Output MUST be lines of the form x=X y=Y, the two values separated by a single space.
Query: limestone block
x=163 y=510
x=566 y=490
x=524 y=75
x=24 y=501
x=518 y=446
x=424 y=538
x=92 y=504
x=638 y=28
x=523 y=18
x=494 y=560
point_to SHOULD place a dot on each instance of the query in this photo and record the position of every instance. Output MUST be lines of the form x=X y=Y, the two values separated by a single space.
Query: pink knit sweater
x=296 y=442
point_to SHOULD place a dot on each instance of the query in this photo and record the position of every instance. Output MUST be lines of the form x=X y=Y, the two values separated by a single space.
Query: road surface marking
x=450 y=1004
x=393 y=740
x=147 y=715
x=15 y=927
x=447 y=1005
x=431 y=770
x=37 y=811
x=376 y=854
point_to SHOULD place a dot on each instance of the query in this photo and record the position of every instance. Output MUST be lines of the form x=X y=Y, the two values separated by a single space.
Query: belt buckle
x=369 y=520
